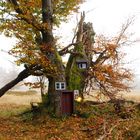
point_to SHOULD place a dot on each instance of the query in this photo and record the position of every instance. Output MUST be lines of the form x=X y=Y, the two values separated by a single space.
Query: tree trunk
x=53 y=56
x=54 y=97
x=22 y=75
x=84 y=42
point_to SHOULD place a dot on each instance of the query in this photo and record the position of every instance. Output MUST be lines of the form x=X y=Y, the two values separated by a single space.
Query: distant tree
x=39 y=83
x=32 y=22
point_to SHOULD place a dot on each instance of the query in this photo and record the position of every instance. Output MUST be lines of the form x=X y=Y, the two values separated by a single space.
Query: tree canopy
x=24 y=20
x=32 y=22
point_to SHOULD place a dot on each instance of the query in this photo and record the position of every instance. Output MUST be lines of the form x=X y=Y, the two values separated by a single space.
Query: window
x=82 y=65
x=60 y=86
x=57 y=86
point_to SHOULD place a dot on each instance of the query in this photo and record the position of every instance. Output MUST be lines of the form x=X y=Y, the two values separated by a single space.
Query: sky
x=107 y=17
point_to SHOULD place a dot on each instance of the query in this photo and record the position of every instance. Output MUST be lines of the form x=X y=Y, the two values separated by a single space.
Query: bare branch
x=65 y=50
x=124 y=29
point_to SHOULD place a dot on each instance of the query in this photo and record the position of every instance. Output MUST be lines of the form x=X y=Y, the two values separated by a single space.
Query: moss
x=75 y=81
x=80 y=49
x=58 y=57
x=76 y=78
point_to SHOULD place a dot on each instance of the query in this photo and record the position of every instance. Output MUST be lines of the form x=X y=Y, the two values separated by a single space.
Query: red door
x=67 y=103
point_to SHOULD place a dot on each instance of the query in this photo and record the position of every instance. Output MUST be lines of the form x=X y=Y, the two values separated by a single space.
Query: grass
x=88 y=123
x=91 y=121
x=21 y=93
x=7 y=111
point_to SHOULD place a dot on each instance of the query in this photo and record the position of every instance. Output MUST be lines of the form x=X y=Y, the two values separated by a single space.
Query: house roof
x=81 y=61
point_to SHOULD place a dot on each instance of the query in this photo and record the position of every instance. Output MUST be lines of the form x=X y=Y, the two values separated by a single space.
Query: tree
x=39 y=83
x=32 y=22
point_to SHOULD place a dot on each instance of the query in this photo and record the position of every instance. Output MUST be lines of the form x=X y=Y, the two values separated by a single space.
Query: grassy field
x=20 y=98
x=130 y=96
x=90 y=122
x=134 y=96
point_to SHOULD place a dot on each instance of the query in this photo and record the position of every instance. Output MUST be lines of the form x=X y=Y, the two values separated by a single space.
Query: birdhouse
x=82 y=64
x=60 y=85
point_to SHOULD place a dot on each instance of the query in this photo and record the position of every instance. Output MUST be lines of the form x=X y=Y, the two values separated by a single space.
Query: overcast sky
x=107 y=17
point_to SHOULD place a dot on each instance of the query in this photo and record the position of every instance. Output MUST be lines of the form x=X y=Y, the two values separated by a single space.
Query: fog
x=7 y=76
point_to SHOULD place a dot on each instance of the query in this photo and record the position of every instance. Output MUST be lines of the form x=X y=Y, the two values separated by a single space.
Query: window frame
x=60 y=84
x=80 y=65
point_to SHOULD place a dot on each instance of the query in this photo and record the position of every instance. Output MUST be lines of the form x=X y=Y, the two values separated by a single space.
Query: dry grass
x=25 y=98
x=131 y=96
x=15 y=102
x=20 y=98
